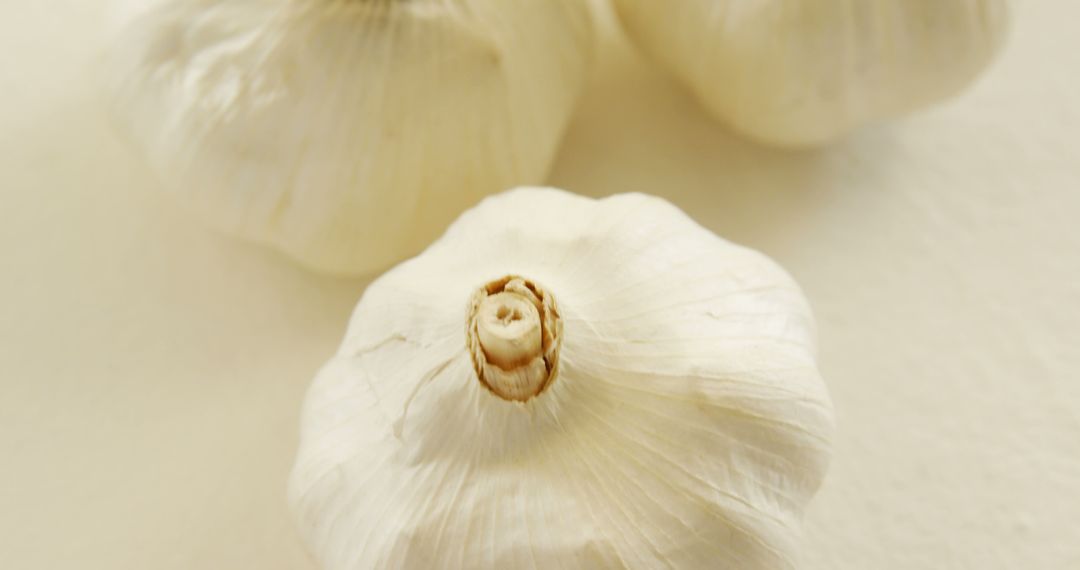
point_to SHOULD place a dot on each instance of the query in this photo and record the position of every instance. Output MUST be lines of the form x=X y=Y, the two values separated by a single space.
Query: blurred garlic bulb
x=561 y=382
x=805 y=72
x=348 y=133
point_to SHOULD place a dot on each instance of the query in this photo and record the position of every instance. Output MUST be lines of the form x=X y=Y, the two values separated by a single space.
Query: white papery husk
x=806 y=72
x=348 y=133
x=687 y=427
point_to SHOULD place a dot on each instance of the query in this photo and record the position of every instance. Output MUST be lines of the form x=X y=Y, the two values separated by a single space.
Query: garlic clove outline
x=682 y=421
x=347 y=134
x=806 y=72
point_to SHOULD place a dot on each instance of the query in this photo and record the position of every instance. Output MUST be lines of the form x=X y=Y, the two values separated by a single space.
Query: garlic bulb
x=561 y=382
x=805 y=72
x=348 y=133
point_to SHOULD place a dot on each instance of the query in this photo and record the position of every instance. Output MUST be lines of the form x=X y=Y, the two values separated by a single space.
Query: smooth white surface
x=151 y=371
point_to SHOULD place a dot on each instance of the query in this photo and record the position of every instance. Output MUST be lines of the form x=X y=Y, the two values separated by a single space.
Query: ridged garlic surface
x=806 y=72
x=562 y=382
x=348 y=133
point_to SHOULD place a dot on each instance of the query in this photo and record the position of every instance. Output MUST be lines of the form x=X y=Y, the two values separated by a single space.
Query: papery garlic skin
x=685 y=424
x=348 y=133
x=807 y=72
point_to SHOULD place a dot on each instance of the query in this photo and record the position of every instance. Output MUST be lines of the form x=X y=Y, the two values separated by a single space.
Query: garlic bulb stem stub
x=514 y=333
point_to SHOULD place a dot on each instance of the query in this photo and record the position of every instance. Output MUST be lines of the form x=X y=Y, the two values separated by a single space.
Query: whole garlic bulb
x=561 y=382
x=348 y=133
x=805 y=72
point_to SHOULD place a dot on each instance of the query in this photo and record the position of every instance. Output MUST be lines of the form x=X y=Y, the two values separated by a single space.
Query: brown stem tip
x=514 y=332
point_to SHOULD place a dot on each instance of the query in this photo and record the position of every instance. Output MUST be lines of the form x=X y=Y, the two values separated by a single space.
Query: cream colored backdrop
x=151 y=371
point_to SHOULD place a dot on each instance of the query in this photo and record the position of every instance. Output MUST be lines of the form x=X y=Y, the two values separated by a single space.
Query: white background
x=151 y=370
